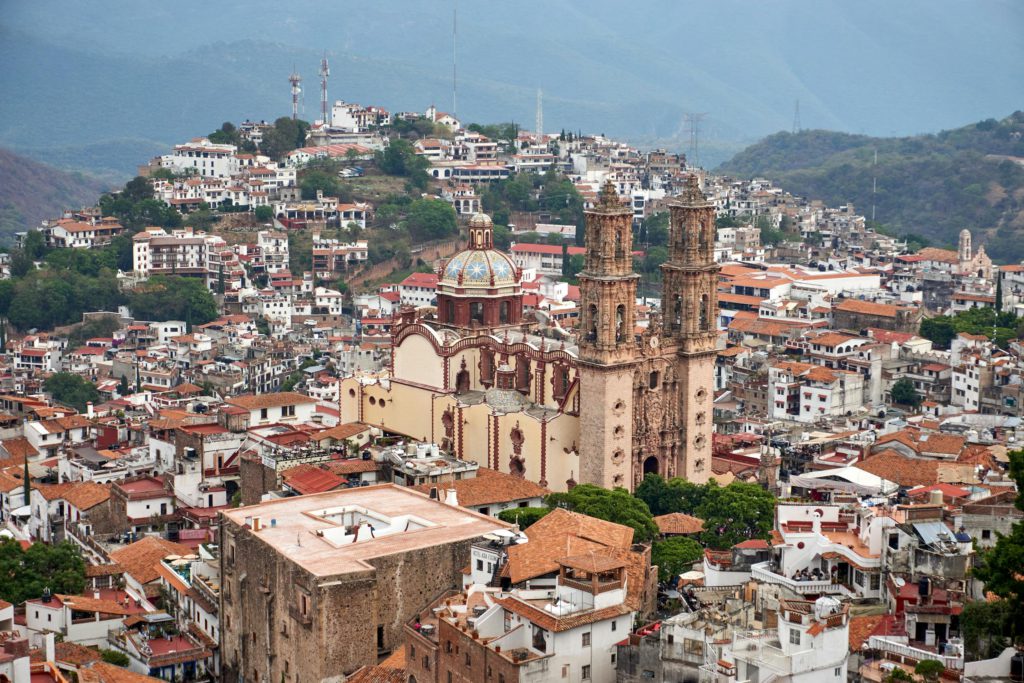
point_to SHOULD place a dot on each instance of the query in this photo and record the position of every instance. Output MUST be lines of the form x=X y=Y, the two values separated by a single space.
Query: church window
x=677 y=313
x=522 y=373
x=705 y=314
x=503 y=312
x=620 y=322
x=655 y=380
x=476 y=312
x=592 y=319
x=618 y=242
x=450 y=311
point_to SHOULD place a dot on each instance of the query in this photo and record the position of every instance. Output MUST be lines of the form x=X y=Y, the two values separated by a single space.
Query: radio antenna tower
x=796 y=118
x=693 y=120
x=540 y=116
x=296 y=80
x=325 y=72
x=874 y=185
x=455 y=16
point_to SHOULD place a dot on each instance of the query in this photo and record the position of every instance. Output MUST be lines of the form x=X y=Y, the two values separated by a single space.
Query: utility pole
x=874 y=185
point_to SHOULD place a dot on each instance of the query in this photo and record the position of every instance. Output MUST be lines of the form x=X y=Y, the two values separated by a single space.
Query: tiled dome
x=480 y=265
x=479 y=268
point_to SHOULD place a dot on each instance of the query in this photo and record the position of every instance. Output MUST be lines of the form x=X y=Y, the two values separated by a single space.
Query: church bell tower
x=607 y=344
x=690 y=309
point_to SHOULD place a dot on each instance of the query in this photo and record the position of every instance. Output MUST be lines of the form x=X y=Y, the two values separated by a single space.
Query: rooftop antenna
x=874 y=184
x=540 y=116
x=796 y=118
x=325 y=71
x=693 y=120
x=296 y=80
x=455 y=15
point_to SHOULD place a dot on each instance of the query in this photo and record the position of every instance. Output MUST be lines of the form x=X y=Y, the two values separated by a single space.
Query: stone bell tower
x=690 y=309
x=607 y=344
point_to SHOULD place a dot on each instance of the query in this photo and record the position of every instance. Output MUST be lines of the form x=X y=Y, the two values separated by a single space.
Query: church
x=604 y=405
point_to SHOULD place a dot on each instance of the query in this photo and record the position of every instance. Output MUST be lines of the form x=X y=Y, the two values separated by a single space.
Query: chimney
x=451 y=498
x=89 y=412
x=816 y=523
x=96 y=594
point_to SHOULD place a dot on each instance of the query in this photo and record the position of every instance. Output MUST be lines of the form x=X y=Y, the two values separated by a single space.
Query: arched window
x=476 y=312
x=618 y=242
x=654 y=380
x=503 y=312
x=620 y=322
x=592 y=322
x=677 y=313
x=703 y=235
x=705 y=314
x=450 y=312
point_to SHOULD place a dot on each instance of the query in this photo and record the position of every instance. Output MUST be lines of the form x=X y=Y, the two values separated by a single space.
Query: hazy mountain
x=76 y=74
x=931 y=185
x=31 y=191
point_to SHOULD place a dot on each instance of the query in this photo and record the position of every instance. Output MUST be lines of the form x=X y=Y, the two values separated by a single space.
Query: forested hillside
x=31 y=191
x=930 y=185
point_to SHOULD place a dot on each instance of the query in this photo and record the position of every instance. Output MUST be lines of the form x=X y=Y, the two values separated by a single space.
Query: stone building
x=604 y=406
x=856 y=315
x=315 y=587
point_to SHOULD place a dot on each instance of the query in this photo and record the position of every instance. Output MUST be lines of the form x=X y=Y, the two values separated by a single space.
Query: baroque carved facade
x=603 y=406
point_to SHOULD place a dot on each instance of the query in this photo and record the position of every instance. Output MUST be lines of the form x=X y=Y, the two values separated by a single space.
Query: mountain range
x=105 y=84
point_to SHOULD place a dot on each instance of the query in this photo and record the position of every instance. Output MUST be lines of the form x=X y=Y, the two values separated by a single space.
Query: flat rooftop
x=330 y=533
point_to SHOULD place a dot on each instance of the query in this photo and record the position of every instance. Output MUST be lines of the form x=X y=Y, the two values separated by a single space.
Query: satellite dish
x=900 y=582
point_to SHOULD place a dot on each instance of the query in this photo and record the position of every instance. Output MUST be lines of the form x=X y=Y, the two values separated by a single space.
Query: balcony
x=763 y=573
x=905 y=652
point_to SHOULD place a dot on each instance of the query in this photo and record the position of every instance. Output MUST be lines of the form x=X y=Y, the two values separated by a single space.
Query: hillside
x=31 y=191
x=930 y=185
x=160 y=73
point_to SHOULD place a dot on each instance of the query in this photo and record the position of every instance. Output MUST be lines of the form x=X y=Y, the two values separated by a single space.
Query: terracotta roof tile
x=550 y=622
x=679 y=523
x=140 y=558
x=377 y=673
x=274 y=400
x=308 y=478
x=87 y=494
x=489 y=487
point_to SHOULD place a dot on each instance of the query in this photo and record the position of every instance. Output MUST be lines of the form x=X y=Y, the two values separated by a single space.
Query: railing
x=762 y=572
x=758 y=648
x=916 y=654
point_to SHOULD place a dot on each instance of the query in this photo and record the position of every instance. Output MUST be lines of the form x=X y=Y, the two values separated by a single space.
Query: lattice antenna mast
x=540 y=116
x=455 y=16
x=325 y=72
x=693 y=120
x=796 y=117
x=296 y=81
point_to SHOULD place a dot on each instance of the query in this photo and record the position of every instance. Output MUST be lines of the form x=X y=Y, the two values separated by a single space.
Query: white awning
x=846 y=479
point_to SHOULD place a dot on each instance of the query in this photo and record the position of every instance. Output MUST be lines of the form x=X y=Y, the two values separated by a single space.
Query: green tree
x=675 y=555
x=165 y=297
x=26 y=572
x=939 y=330
x=314 y=181
x=264 y=214
x=929 y=669
x=399 y=158
x=735 y=513
x=524 y=517
x=34 y=245
x=675 y=495
x=115 y=657
x=616 y=506
x=122 y=386
x=285 y=136
x=430 y=219
x=904 y=393
x=71 y=390
x=1000 y=566
x=654 y=230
